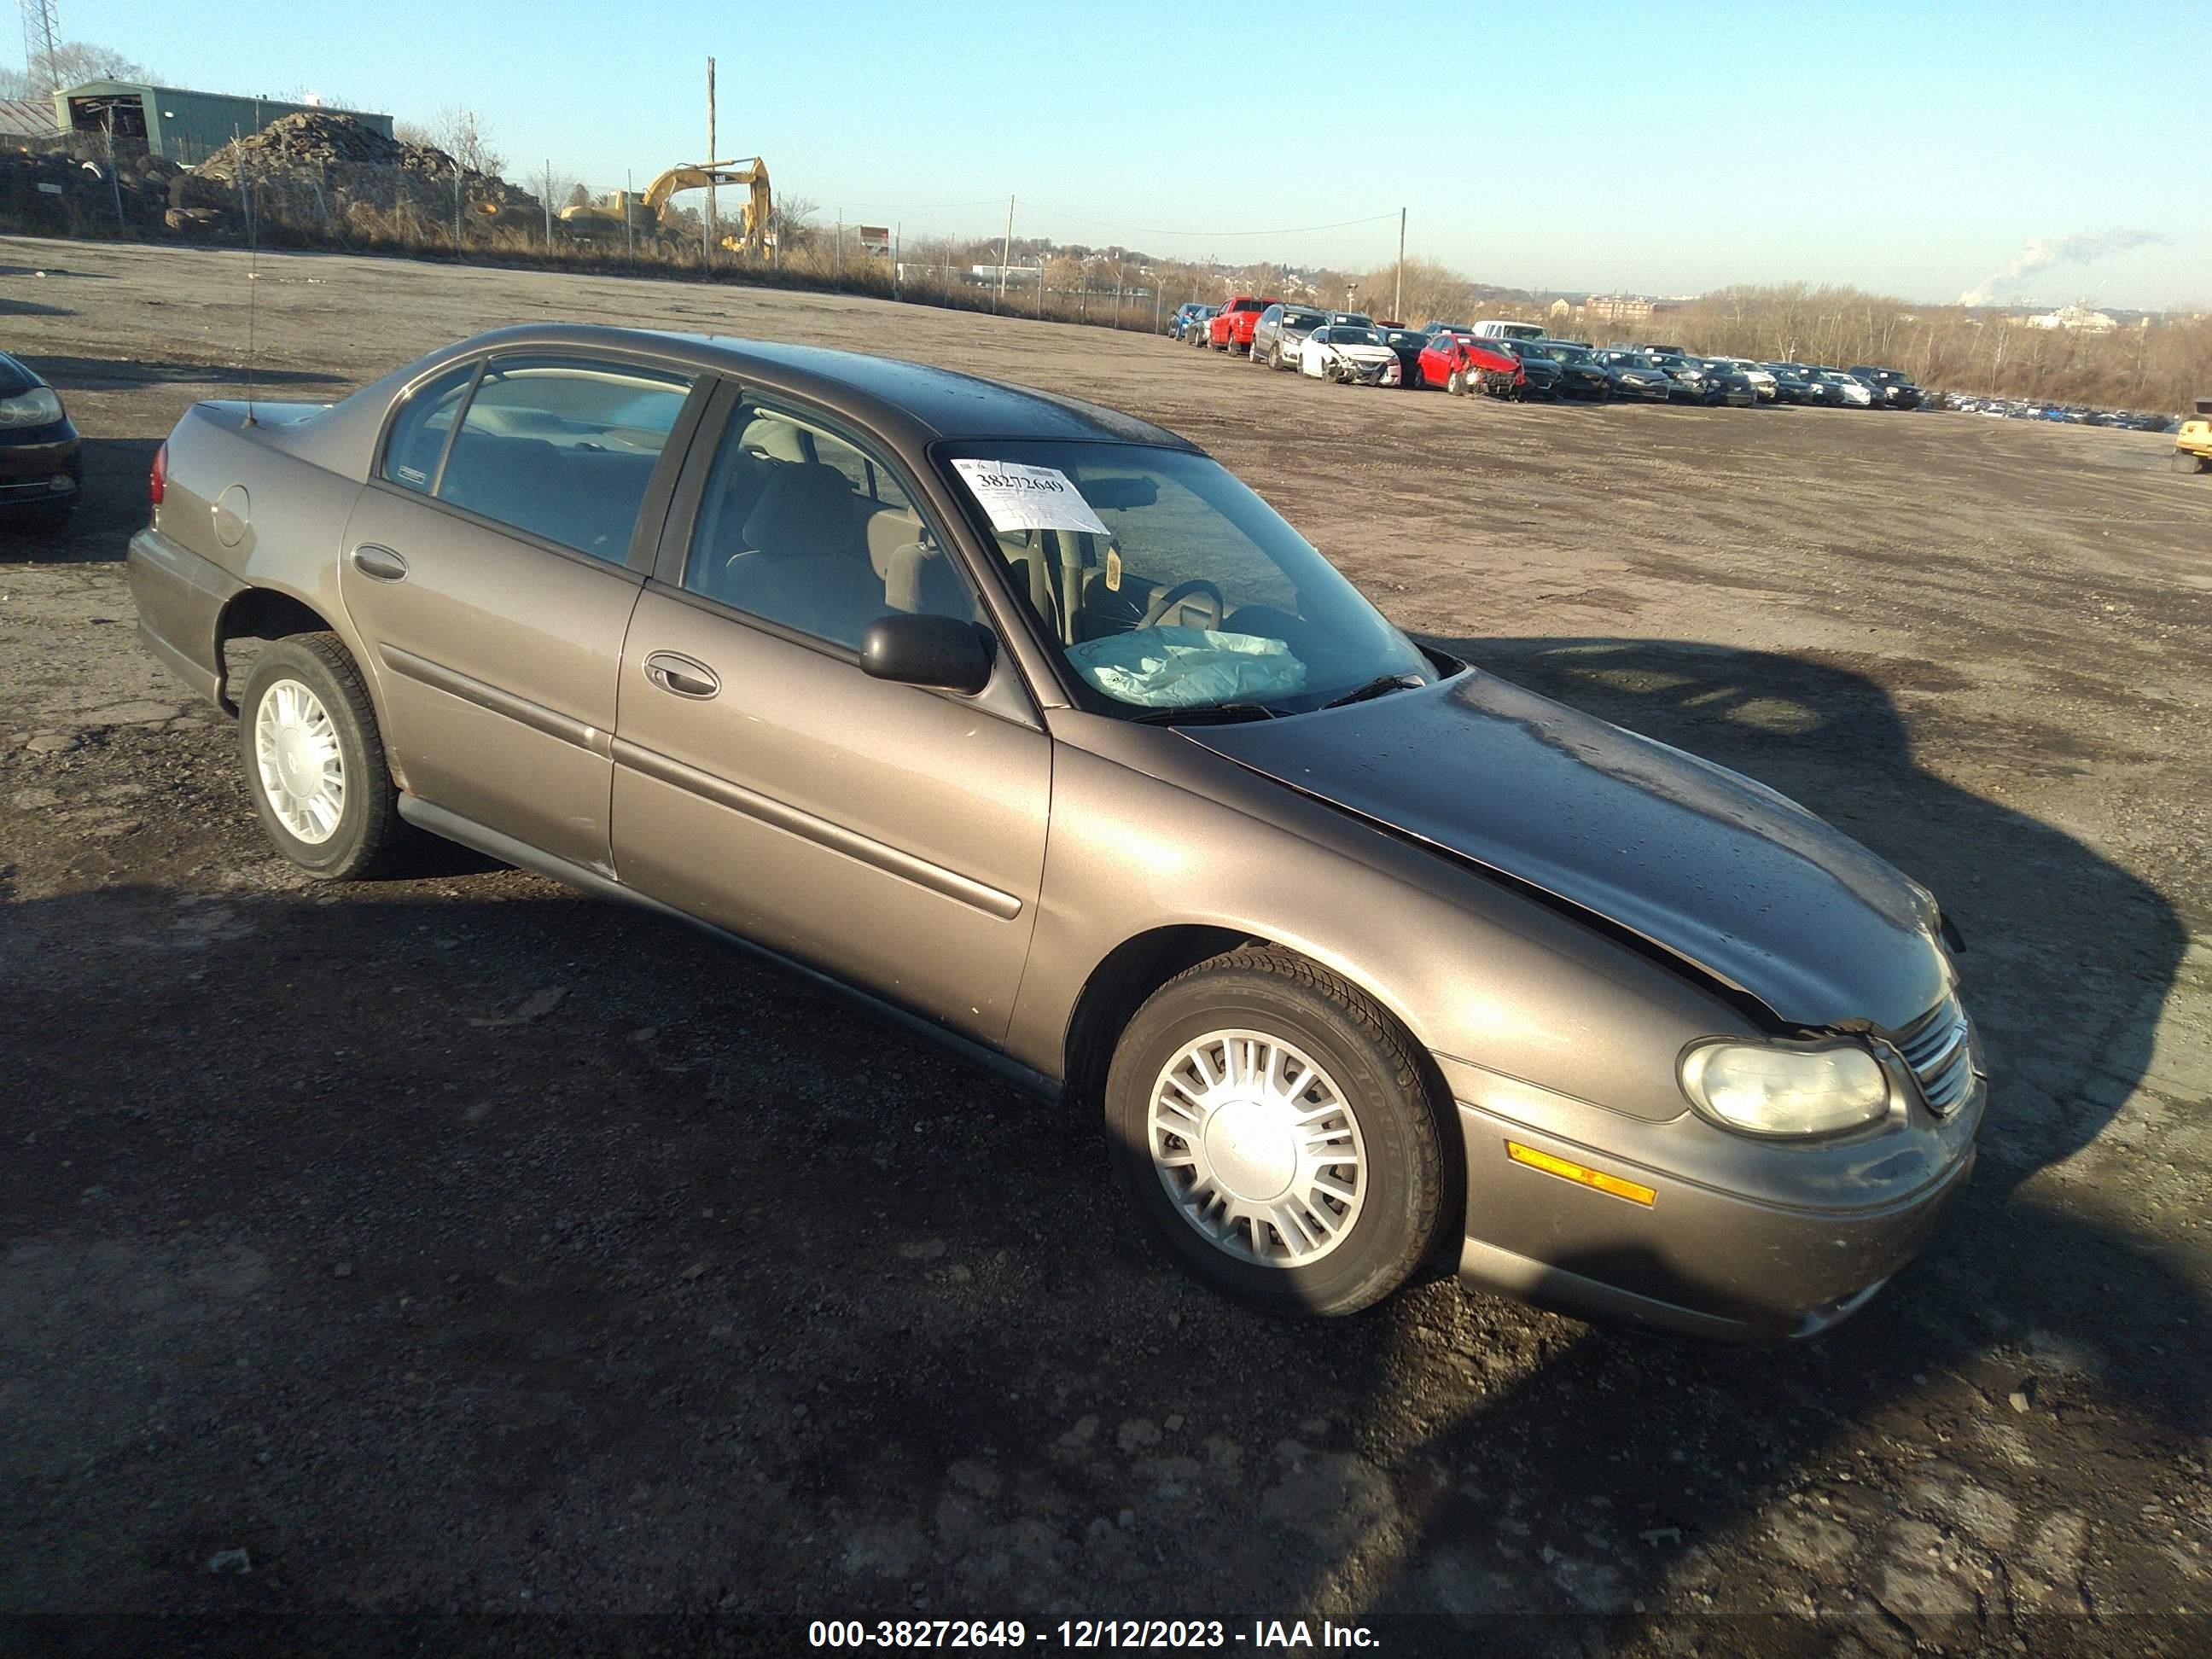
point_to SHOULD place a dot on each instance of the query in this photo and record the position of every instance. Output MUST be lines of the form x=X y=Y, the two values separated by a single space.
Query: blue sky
x=1667 y=149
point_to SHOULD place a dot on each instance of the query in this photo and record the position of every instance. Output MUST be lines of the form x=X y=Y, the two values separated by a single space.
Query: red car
x=1461 y=363
x=1231 y=329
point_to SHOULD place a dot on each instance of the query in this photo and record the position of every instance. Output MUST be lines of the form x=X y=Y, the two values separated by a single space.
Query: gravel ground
x=456 y=1244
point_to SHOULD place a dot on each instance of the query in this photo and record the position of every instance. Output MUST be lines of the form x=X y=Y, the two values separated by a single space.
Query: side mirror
x=941 y=653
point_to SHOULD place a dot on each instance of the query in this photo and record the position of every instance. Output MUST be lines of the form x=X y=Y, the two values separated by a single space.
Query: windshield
x=1303 y=320
x=1343 y=334
x=1570 y=354
x=1407 y=337
x=1196 y=597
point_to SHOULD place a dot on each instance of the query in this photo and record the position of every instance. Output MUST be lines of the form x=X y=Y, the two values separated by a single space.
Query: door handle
x=381 y=562
x=673 y=671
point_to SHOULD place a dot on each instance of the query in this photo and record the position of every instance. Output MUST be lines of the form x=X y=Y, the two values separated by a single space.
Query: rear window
x=1250 y=304
x=563 y=449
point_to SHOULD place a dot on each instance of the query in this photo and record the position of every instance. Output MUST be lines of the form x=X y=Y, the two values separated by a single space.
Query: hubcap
x=295 y=749
x=1258 y=1148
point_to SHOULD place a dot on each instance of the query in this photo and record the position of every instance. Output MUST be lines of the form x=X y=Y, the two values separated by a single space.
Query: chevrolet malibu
x=1027 y=724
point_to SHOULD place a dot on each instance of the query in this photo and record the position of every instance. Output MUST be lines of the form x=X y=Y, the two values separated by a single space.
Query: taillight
x=157 y=480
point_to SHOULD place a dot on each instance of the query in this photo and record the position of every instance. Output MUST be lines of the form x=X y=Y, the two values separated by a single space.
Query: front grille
x=1939 y=1048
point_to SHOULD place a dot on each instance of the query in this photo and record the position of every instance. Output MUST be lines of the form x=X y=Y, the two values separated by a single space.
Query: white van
x=1491 y=329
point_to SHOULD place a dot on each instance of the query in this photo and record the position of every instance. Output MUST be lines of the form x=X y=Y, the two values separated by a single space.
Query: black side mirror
x=941 y=653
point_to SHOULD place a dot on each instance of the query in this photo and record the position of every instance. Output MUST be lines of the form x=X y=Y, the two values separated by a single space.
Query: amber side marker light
x=1581 y=1174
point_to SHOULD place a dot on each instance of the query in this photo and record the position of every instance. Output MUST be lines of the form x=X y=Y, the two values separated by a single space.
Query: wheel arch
x=260 y=613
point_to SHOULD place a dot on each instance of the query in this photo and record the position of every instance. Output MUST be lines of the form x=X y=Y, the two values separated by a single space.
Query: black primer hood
x=1719 y=870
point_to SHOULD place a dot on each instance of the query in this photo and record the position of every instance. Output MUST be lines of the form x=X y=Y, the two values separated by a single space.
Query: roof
x=28 y=117
x=914 y=402
x=147 y=89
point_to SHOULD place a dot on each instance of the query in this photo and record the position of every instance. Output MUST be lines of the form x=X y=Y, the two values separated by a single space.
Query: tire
x=1456 y=383
x=368 y=833
x=1363 y=1064
x=1275 y=356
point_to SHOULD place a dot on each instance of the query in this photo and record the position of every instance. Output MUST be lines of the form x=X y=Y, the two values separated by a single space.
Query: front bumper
x=41 y=467
x=1739 y=1241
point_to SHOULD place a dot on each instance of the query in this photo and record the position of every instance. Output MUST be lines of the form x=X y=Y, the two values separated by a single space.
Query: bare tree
x=462 y=135
x=72 y=62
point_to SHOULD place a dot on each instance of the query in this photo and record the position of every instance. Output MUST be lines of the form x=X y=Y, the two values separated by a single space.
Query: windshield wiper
x=1221 y=712
x=1381 y=687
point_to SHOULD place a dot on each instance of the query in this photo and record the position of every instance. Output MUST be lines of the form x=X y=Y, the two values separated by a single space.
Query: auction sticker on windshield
x=1029 y=497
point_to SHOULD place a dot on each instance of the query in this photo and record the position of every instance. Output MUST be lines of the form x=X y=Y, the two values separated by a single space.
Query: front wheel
x=314 y=759
x=1272 y=1126
x=1456 y=384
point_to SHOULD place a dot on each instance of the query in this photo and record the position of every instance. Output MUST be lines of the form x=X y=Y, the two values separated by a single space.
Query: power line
x=1155 y=230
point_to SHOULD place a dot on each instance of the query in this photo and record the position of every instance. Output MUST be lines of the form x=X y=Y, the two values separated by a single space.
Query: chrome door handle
x=381 y=563
x=673 y=672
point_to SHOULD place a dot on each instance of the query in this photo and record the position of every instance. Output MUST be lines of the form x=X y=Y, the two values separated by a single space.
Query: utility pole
x=1398 y=298
x=629 y=235
x=706 y=236
x=548 y=204
x=1003 y=247
x=897 y=227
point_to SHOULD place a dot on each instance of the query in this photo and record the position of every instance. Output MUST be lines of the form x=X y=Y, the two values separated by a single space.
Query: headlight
x=37 y=407
x=1766 y=1089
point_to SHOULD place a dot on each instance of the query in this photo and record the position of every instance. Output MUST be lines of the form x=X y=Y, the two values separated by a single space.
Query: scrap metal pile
x=322 y=170
x=51 y=190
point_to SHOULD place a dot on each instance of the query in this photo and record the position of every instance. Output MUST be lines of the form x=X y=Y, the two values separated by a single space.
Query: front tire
x=1272 y=1124
x=1456 y=384
x=314 y=759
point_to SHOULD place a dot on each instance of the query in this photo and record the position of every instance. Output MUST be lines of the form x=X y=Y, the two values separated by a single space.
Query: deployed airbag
x=1186 y=667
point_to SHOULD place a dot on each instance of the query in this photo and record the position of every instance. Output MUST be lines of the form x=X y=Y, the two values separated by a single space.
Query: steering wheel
x=1160 y=606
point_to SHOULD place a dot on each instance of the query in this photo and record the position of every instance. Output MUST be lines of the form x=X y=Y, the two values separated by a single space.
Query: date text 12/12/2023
x=1291 y=1635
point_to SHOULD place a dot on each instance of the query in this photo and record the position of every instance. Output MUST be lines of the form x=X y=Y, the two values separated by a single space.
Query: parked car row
x=1516 y=360
x=2027 y=409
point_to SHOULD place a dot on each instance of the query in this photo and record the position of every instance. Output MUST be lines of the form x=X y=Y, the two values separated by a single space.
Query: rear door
x=890 y=835
x=491 y=568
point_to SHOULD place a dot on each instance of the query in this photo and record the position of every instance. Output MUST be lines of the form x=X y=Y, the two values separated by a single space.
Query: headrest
x=805 y=508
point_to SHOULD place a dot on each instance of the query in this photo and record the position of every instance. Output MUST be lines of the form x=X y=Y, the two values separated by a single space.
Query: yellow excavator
x=647 y=210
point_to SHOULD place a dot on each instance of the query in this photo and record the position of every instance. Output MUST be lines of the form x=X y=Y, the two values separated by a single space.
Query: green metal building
x=187 y=127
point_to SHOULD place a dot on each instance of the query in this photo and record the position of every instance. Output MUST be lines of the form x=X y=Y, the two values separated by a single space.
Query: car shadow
x=12 y=307
x=519 y=1200
x=1854 y=1469
x=70 y=373
x=111 y=506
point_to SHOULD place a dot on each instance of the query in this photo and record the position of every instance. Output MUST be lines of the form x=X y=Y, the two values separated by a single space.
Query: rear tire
x=314 y=761
x=1311 y=1183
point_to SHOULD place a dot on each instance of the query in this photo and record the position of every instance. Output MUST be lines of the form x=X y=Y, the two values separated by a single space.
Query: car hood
x=1721 y=872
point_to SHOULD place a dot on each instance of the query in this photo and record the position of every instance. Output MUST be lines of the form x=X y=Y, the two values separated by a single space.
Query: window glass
x=418 y=437
x=1199 y=595
x=800 y=527
x=563 y=449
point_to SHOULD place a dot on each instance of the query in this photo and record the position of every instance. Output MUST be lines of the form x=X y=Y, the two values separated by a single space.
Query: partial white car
x=1762 y=381
x=1349 y=354
x=1857 y=394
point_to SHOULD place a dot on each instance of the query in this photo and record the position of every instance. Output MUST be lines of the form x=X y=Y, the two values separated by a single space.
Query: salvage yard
x=456 y=1243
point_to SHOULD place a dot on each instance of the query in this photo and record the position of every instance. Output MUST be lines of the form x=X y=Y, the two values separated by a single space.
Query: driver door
x=889 y=836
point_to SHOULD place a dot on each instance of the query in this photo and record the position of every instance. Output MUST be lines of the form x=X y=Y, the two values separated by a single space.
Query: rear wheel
x=314 y=759
x=1272 y=1126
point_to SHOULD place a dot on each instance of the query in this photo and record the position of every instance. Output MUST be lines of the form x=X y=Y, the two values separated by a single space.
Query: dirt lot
x=457 y=1244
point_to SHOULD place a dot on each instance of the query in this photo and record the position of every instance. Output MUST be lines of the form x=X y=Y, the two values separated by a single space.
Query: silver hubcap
x=1258 y=1148
x=295 y=748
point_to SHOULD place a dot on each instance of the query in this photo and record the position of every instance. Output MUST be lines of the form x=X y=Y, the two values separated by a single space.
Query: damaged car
x=1350 y=355
x=1030 y=728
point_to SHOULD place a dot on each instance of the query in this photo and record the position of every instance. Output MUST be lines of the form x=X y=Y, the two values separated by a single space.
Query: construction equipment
x=2192 y=445
x=647 y=210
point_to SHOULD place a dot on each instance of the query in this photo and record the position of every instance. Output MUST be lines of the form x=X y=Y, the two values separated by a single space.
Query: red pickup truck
x=1231 y=328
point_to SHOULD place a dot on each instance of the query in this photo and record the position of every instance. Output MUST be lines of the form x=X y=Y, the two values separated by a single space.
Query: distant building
x=2078 y=319
x=990 y=275
x=1618 y=307
x=187 y=127
x=876 y=240
x=1560 y=311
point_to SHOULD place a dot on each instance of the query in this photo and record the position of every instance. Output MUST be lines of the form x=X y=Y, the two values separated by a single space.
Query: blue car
x=1189 y=315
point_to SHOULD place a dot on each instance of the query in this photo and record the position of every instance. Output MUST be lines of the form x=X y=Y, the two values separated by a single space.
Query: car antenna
x=252 y=273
